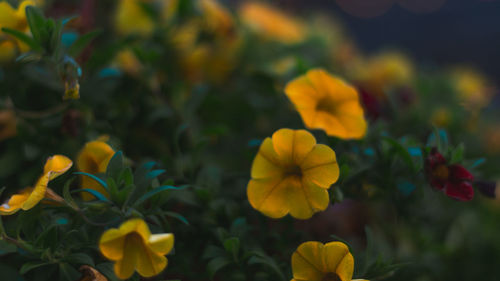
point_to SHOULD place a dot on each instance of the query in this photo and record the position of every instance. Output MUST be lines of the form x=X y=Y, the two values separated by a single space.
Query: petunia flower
x=133 y=247
x=315 y=261
x=132 y=19
x=473 y=88
x=292 y=174
x=94 y=159
x=327 y=103
x=454 y=180
x=271 y=23
x=27 y=198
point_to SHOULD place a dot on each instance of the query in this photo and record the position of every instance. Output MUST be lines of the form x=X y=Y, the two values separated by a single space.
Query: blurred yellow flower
x=8 y=124
x=210 y=57
x=127 y=61
x=27 y=198
x=292 y=174
x=132 y=18
x=327 y=103
x=385 y=71
x=94 y=159
x=133 y=247
x=315 y=261
x=441 y=117
x=473 y=88
x=13 y=19
x=272 y=23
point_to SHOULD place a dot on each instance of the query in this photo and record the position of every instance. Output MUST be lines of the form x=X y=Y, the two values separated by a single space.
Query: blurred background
x=432 y=31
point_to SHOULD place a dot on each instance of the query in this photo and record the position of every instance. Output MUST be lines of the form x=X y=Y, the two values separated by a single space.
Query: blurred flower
x=292 y=174
x=454 y=180
x=131 y=18
x=314 y=261
x=328 y=103
x=8 y=124
x=473 y=88
x=27 y=198
x=127 y=61
x=133 y=247
x=441 y=117
x=208 y=45
x=71 y=90
x=94 y=159
x=271 y=23
x=13 y=19
x=491 y=139
x=384 y=72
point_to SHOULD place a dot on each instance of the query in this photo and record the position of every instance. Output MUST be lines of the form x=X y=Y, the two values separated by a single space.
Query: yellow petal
x=94 y=157
x=57 y=165
x=136 y=225
x=302 y=93
x=269 y=196
x=320 y=167
x=149 y=263
x=131 y=18
x=8 y=17
x=283 y=145
x=112 y=244
x=15 y=202
x=38 y=192
x=161 y=244
x=307 y=261
x=305 y=200
x=335 y=252
x=125 y=267
x=265 y=164
x=346 y=268
x=292 y=146
x=92 y=184
x=328 y=123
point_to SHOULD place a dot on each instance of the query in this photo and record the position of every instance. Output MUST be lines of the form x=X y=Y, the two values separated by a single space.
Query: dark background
x=457 y=31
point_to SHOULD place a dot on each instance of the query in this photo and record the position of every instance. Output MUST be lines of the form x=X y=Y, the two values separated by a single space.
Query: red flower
x=454 y=180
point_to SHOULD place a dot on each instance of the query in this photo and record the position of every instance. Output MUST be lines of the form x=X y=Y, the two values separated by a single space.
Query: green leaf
x=80 y=259
x=458 y=154
x=82 y=42
x=401 y=151
x=232 y=246
x=67 y=272
x=100 y=181
x=36 y=22
x=23 y=37
x=67 y=195
x=96 y=193
x=263 y=259
x=156 y=191
x=30 y=266
x=115 y=165
x=217 y=264
x=177 y=216
x=55 y=39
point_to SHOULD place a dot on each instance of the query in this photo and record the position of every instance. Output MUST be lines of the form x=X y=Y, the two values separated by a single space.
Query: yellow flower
x=27 y=198
x=133 y=247
x=292 y=174
x=385 y=71
x=216 y=17
x=94 y=159
x=472 y=87
x=132 y=18
x=271 y=23
x=315 y=261
x=13 y=19
x=327 y=103
x=127 y=61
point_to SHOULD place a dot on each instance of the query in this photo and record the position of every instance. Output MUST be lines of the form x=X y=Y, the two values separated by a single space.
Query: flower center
x=330 y=276
x=294 y=171
x=441 y=172
x=325 y=104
